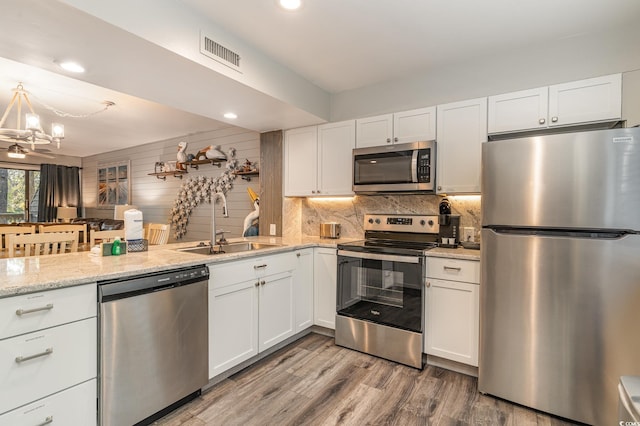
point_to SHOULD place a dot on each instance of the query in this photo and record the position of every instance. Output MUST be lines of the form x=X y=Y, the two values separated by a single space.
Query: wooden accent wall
x=271 y=181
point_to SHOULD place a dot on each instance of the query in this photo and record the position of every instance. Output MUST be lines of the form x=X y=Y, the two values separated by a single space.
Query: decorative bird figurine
x=182 y=155
x=211 y=152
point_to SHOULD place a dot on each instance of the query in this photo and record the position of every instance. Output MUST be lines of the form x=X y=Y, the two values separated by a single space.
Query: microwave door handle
x=414 y=166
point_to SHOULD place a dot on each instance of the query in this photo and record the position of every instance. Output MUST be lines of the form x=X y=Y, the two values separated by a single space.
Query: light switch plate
x=469 y=234
x=272 y=229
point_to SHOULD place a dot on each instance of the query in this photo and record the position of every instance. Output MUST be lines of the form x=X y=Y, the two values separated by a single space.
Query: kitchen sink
x=228 y=248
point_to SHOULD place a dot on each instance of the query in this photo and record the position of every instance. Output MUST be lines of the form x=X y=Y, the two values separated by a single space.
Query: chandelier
x=32 y=133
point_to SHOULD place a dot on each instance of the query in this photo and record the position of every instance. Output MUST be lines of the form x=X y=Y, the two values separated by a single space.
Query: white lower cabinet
x=452 y=312
x=325 y=287
x=48 y=346
x=303 y=290
x=251 y=308
x=73 y=406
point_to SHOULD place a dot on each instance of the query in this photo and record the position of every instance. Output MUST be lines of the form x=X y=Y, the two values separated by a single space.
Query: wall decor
x=195 y=190
x=114 y=184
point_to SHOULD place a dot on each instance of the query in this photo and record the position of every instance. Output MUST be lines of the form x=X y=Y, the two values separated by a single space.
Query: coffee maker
x=449 y=235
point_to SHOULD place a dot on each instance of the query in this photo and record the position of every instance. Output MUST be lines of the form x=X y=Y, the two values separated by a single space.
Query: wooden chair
x=66 y=228
x=6 y=230
x=105 y=236
x=157 y=233
x=42 y=244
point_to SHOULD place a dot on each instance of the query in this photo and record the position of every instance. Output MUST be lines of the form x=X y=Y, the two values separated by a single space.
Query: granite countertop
x=26 y=275
x=32 y=274
x=454 y=253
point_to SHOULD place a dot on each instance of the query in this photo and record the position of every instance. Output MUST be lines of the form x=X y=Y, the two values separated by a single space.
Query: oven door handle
x=376 y=256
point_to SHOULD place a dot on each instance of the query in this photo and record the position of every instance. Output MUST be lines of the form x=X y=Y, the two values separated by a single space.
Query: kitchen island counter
x=31 y=274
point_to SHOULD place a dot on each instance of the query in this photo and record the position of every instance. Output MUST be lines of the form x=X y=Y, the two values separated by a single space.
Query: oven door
x=381 y=288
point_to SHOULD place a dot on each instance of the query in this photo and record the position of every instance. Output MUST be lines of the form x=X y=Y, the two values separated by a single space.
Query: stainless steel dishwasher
x=153 y=344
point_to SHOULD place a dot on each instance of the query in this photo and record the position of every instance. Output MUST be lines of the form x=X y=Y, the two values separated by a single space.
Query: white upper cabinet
x=523 y=110
x=577 y=102
x=374 y=131
x=401 y=127
x=318 y=160
x=462 y=128
x=301 y=161
x=335 y=158
x=595 y=99
x=414 y=125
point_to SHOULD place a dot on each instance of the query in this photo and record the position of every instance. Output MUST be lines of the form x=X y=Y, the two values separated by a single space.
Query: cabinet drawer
x=453 y=269
x=34 y=311
x=74 y=406
x=238 y=271
x=38 y=364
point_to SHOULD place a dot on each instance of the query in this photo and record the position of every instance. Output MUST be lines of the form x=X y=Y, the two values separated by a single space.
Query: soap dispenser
x=115 y=248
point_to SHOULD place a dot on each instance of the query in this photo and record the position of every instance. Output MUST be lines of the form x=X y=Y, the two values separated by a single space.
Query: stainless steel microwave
x=408 y=167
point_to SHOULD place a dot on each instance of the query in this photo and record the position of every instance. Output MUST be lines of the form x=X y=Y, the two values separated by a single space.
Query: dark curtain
x=59 y=186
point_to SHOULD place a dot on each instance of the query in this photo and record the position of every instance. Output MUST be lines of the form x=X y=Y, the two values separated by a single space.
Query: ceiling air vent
x=216 y=51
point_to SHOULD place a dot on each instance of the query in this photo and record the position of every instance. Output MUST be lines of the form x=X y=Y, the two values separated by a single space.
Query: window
x=19 y=195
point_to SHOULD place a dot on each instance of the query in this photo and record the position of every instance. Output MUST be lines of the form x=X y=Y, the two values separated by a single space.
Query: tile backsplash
x=302 y=216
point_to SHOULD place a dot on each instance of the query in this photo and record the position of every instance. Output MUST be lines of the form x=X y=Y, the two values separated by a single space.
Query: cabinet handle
x=388 y=140
x=297 y=254
x=263 y=282
x=439 y=188
x=318 y=191
x=264 y=265
x=47 y=421
x=257 y=283
x=452 y=268
x=20 y=312
x=542 y=121
x=428 y=283
x=554 y=119
x=46 y=352
x=313 y=191
x=395 y=139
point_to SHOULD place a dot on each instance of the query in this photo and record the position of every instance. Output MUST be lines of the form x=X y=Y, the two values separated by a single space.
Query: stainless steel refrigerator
x=560 y=282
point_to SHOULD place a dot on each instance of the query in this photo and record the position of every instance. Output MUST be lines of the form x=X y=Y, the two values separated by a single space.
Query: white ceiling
x=337 y=45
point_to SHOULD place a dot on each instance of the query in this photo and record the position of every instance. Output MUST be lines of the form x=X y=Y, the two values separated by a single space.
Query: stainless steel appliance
x=409 y=167
x=153 y=344
x=329 y=230
x=381 y=287
x=560 y=285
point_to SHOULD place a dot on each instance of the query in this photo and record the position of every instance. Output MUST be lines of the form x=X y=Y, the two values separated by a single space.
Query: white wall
x=540 y=65
x=155 y=197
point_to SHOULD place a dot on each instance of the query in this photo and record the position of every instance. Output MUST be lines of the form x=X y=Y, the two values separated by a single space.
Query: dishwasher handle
x=142 y=284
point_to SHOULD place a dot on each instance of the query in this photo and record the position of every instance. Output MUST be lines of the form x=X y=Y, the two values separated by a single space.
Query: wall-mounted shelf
x=174 y=173
x=247 y=175
x=194 y=164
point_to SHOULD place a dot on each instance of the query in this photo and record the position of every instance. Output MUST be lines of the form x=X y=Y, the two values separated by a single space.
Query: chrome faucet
x=214 y=233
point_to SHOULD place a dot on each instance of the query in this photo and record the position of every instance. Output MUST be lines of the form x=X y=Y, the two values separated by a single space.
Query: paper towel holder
x=119 y=209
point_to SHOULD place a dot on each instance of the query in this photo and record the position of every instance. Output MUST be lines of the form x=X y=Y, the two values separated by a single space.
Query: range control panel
x=423 y=224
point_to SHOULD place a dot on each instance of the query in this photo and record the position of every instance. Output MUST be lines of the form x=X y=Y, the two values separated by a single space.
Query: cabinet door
x=324 y=287
x=275 y=322
x=594 y=99
x=303 y=290
x=374 y=131
x=452 y=320
x=462 y=128
x=335 y=162
x=414 y=125
x=300 y=161
x=518 y=111
x=73 y=406
x=233 y=325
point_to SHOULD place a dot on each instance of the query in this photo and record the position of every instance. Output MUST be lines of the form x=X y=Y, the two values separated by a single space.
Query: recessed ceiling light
x=290 y=4
x=72 y=66
x=230 y=115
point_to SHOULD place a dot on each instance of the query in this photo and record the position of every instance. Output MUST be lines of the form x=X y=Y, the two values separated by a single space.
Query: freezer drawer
x=558 y=322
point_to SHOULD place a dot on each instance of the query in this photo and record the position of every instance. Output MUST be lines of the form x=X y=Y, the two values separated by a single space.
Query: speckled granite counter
x=26 y=275
x=454 y=253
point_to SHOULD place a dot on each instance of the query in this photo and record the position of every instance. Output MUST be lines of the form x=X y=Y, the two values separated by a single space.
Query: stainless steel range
x=380 y=300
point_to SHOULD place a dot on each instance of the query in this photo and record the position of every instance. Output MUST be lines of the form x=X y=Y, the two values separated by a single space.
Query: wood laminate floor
x=314 y=382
